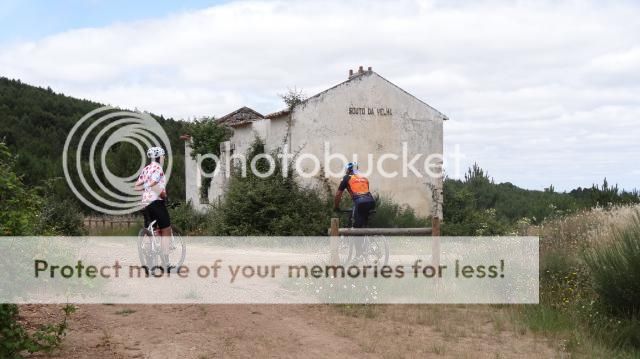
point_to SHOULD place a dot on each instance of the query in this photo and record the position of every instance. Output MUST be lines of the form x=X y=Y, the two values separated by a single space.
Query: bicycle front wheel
x=346 y=250
x=145 y=253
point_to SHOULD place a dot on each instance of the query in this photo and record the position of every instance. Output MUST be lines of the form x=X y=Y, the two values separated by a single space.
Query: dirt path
x=291 y=331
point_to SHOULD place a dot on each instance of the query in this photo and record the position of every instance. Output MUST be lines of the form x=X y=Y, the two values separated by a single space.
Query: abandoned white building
x=364 y=116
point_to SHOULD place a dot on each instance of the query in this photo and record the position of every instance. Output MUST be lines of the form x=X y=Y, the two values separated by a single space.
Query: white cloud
x=528 y=85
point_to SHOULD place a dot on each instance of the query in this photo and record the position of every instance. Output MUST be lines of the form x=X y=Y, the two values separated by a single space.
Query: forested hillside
x=35 y=122
x=476 y=205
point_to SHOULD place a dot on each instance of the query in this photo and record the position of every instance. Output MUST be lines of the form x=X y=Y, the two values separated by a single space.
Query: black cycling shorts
x=156 y=211
x=361 y=207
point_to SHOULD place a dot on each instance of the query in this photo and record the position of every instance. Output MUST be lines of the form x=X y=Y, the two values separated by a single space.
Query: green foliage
x=24 y=211
x=189 y=221
x=479 y=206
x=19 y=205
x=544 y=319
x=30 y=114
x=604 y=195
x=577 y=277
x=207 y=135
x=615 y=269
x=15 y=340
x=277 y=205
x=63 y=217
x=293 y=98
x=274 y=205
x=392 y=215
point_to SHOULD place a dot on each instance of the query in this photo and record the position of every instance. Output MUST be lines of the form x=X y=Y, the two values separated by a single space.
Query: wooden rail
x=384 y=231
x=335 y=232
x=96 y=224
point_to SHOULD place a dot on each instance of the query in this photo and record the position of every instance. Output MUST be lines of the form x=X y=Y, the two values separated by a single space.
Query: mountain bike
x=150 y=250
x=375 y=248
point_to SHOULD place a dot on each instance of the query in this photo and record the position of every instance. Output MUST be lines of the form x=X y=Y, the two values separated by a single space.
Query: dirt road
x=291 y=331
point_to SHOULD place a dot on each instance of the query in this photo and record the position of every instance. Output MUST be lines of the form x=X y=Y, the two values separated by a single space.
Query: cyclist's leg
x=366 y=209
x=158 y=212
x=164 y=223
x=146 y=217
x=358 y=222
x=362 y=207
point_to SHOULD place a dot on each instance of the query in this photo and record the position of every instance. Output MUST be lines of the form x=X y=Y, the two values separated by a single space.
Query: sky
x=537 y=92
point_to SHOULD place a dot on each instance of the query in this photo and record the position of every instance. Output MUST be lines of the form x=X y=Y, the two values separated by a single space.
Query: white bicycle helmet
x=155 y=152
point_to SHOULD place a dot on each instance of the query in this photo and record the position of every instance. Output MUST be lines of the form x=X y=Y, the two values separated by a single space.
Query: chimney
x=350 y=73
x=360 y=70
x=369 y=69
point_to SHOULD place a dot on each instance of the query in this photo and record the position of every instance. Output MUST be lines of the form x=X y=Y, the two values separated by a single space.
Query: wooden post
x=435 y=226
x=333 y=241
x=435 y=237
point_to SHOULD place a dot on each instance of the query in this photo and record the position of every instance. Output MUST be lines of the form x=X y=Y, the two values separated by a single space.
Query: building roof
x=278 y=114
x=246 y=115
x=352 y=77
x=241 y=116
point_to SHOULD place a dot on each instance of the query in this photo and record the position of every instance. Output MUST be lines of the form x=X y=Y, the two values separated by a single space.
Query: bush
x=188 y=220
x=62 y=217
x=392 y=215
x=278 y=206
x=14 y=338
x=615 y=270
x=275 y=205
x=19 y=205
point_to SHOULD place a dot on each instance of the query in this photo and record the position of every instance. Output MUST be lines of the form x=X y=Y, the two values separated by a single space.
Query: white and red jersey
x=152 y=173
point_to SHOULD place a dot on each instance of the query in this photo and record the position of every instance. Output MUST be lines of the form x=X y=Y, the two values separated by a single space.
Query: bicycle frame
x=153 y=238
x=349 y=212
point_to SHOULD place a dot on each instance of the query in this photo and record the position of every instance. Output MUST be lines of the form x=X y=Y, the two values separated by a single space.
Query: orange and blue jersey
x=356 y=184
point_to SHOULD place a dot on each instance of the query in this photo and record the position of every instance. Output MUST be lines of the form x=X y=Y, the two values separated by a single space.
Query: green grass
x=543 y=319
x=118 y=232
x=125 y=312
x=615 y=269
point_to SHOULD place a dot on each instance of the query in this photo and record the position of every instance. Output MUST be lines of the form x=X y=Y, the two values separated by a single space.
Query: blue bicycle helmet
x=351 y=166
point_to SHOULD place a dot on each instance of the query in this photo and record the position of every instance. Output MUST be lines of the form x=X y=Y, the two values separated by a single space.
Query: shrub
x=615 y=270
x=393 y=215
x=274 y=205
x=19 y=205
x=61 y=217
x=14 y=338
x=188 y=220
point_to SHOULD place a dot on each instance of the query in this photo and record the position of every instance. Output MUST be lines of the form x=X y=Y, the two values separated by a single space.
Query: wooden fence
x=98 y=224
x=335 y=232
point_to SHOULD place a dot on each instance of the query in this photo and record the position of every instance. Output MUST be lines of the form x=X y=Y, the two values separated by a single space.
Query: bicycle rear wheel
x=346 y=250
x=177 y=250
x=376 y=250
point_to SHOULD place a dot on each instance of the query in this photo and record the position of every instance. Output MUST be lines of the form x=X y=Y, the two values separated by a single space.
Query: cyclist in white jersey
x=153 y=184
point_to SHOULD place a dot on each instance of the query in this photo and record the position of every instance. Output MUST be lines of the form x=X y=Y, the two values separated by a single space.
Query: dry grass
x=450 y=331
x=566 y=293
x=587 y=228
